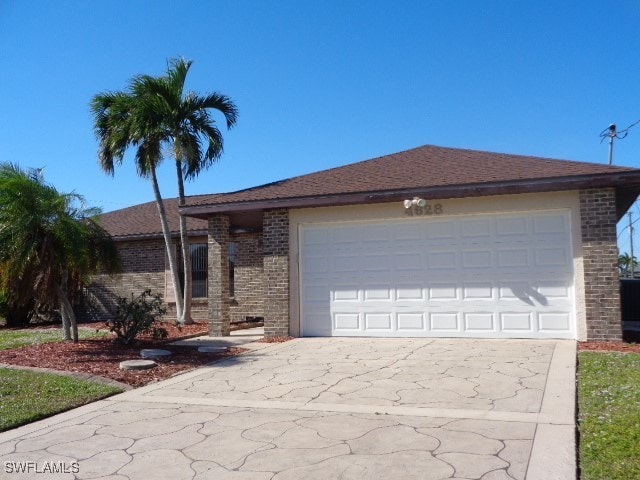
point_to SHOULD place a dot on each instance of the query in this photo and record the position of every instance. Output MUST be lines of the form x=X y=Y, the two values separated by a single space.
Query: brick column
x=600 y=259
x=275 y=231
x=218 y=244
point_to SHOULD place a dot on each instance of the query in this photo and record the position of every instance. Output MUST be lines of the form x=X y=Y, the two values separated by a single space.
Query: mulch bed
x=608 y=347
x=275 y=339
x=102 y=357
x=630 y=344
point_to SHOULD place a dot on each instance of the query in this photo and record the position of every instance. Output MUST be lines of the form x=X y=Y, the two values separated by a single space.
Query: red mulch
x=275 y=339
x=102 y=357
x=608 y=347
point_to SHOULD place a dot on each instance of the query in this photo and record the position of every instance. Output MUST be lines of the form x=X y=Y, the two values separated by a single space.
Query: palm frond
x=43 y=233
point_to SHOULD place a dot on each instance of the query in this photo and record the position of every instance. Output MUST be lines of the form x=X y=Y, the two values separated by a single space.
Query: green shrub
x=138 y=315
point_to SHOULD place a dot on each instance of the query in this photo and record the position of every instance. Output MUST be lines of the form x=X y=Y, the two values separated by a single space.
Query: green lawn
x=27 y=396
x=609 y=415
x=20 y=338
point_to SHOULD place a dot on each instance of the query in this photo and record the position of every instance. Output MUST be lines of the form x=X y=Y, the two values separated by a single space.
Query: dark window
x=199 y=269
x=232 y=266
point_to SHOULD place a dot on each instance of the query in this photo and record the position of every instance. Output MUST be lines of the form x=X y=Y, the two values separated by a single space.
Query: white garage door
x=494 y=276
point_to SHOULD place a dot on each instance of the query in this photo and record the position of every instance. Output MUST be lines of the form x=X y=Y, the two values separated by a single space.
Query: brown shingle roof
x=423 y=167
x=144 y=221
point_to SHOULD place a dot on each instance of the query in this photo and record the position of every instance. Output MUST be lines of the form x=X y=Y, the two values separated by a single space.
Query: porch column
x=600 y=261
x=218 y=244
x=275 y=231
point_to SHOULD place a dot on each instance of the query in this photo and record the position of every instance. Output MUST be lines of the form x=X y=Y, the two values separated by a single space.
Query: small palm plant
x=49 y=244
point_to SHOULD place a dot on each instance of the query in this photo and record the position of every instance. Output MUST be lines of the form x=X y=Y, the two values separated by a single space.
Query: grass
x=609 y=415
x=20 y=338
x=27 y=396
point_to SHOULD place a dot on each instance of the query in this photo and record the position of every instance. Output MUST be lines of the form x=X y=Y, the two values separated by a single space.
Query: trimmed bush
x=136 y=316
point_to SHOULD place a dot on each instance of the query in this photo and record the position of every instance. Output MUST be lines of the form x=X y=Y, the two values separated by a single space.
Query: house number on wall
x=427 y=209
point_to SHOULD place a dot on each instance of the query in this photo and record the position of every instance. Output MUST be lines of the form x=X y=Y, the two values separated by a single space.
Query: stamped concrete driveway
x=330 y=408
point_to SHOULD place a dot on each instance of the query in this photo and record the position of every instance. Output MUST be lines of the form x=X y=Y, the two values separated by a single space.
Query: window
x=199 y=269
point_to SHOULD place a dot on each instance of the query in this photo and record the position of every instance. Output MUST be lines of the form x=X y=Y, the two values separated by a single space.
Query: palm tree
x=49 y=243
x=627 y=264
x=156 y=115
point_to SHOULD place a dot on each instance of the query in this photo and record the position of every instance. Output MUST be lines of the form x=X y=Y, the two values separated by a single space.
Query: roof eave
x=621 y=179
x=156 y=236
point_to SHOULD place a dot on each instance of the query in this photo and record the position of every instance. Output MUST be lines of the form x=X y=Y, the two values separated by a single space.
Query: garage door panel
x=516 y=321
x=441 y=230
x=409 y=233
x=315 y=236
x=551 y=322
x=405 y=262
x=514 y=290
x=410 y=292
x=377 y=293
x=347 y=322
x=479 y=322
x=552 y=256
x=345 y=293
x=472 y=291
x=411 y=322
x=553 y=289
x=316 y=293
x=370 y=235
x=444 y=322
x=488 y=276
x=439 y=259
x=475 y=227
x=315 y=264
x=550 y=223
x=509 y=226
x=380 y=321
x=345 y=263
x=513 y=258
x=442 y=291
x=316 y=324
x=474 y=259
x=348 y=236
x=375 y=263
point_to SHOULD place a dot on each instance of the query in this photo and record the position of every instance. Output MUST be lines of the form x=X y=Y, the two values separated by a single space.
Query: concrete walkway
x=329 y=408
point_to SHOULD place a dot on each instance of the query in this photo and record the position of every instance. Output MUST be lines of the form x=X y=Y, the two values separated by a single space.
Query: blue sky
x=321 y=84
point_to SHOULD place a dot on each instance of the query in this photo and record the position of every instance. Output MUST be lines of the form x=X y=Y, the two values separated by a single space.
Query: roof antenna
x=611 y=133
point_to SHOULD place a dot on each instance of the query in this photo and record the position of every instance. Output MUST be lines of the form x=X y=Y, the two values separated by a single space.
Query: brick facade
x=143 y=263
x=143 y=268
x=276 y=272
x=600 y=263
x=218 y=284
x=262 y=273
x=248 y=297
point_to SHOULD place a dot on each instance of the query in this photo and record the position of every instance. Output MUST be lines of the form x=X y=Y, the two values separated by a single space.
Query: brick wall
x=218 y=284
x=142 y=268
x=248 y=297
x=276 y=272
x=600 y=260
x=199 y=311
x=143 y=265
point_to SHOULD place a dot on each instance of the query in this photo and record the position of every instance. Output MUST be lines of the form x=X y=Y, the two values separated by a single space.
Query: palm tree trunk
x=168 y=243
x=62 y=294
x=66 y=310
x=186 y=254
